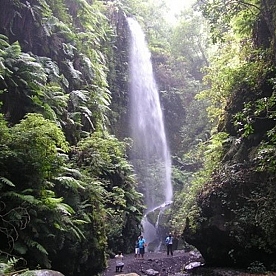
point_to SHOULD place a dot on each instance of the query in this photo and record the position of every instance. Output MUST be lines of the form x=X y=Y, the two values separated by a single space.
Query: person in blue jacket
x=142 y=244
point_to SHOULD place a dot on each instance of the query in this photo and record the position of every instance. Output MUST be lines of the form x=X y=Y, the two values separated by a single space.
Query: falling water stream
x=150 y=154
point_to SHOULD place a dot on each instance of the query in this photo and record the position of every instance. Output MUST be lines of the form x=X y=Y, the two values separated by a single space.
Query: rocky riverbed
x=159 y=264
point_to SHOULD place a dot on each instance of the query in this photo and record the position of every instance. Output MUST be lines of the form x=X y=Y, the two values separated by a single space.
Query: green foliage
x=190 y=43
x=57 y=209
x=222 y=15
x=8 y=268
x=242 y=104
x=257 y=267
x=177 y=65
x=262 y=108
x=6 y=182
x=181 y=183
x=230 y=69
x=88 y=233
x=103 y=156
x=22 y=77
x=72 y=63
x=214 y=150
x=29 y=160
x=220 y=78
x=47 y=206
x=196 y=129
x=206 y=158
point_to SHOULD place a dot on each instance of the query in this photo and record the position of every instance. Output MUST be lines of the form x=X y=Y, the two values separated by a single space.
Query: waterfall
x=150 y=154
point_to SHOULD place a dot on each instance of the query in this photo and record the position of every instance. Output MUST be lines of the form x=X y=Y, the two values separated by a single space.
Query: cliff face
x=237 y=221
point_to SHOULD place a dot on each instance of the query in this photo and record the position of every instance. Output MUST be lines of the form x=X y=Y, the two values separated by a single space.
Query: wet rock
x=127 y=274
x=151 y=272
x=192 y=265
x=42 y=272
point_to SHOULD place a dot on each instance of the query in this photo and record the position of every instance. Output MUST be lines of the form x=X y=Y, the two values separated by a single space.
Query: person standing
x=142 y=244
x=119 y=262
x=169 y=244
x=137 y=251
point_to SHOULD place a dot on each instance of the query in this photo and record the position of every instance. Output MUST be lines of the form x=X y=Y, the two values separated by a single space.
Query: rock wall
x=236 y=224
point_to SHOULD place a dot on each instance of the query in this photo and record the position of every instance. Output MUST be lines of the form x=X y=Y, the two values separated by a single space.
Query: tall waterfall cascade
x=150 y=153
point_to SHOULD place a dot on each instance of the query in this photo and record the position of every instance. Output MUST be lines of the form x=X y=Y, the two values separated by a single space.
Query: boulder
x=236 y=218
x=151 y=272
x=42 y=272
x=192 y=265
x=127 y=274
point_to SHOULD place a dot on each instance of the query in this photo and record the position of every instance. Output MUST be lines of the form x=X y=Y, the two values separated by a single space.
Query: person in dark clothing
x=169 y=244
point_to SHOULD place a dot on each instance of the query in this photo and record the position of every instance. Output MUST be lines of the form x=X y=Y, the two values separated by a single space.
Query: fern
x=65 y=209
x=7 y=268
x=3 y=42
x=76 y=230
x=19 y=196
x=50 y=67
x=6 y=181
x=79 y=97
x=73 y=172
x=70 y=182
x=12 y=51
x=74 y=74
x=31 y=243
x=52 y=25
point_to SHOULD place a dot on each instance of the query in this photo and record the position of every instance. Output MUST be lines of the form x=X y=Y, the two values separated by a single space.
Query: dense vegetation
x=234 y=215
x=68 y=194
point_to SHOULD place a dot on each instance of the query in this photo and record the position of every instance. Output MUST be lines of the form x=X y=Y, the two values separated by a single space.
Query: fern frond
x=31 y=243
x=65 y=209
x=85 y=110
x=79 y=96
x=25 y=198
x=13 y=50
x=79 y=221
x=74 y=172
x=40 y=248
x=78 y=232
x=12 y=261
x=75 y=74
x=6 y=181
x=3 y=42
x=70 y=182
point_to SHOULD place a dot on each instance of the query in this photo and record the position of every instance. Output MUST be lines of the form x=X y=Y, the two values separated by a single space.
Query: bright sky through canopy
x=176 y=7
x=180 y=4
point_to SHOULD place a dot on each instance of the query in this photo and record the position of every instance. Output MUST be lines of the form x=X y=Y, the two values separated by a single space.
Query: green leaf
x=6 y=181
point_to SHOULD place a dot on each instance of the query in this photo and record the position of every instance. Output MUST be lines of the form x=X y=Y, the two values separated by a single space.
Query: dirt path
x=170 y=265
x=156 y=261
